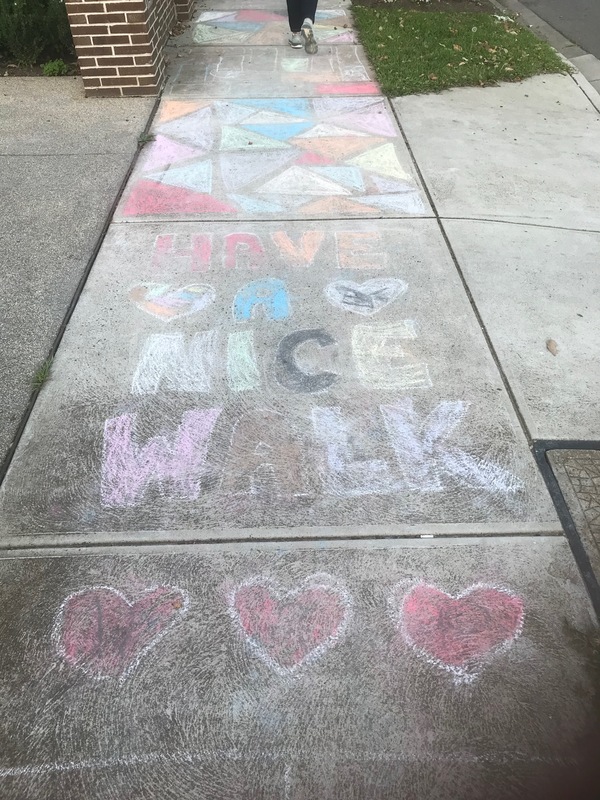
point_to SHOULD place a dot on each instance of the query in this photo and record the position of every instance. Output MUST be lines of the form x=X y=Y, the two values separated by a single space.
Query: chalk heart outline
x=321 y=582
x=376 y=293
x=169 y=593
x=422 y=639
x=167 y=302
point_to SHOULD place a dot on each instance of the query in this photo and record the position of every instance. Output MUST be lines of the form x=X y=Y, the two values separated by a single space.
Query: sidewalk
x=277 y=529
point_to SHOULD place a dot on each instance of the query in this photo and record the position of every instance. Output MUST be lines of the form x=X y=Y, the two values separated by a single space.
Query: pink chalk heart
x=289 y=630
x=458 y=632
x=101 y=632
x=169 y=302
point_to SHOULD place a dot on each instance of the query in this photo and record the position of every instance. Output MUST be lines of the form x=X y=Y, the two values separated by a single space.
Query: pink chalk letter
x=128 y=468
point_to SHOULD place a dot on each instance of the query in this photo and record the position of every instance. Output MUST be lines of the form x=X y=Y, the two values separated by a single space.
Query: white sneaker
x=296 y=40
x=310 y=43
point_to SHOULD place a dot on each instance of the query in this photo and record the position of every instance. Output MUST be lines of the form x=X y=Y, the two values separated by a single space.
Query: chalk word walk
x=354 y=250
x=177 y=461
x=192 y=364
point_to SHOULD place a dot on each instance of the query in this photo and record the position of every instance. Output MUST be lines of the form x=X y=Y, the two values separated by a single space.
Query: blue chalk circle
x=270 y=293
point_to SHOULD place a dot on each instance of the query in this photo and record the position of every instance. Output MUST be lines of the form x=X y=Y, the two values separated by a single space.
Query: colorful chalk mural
x=229 y=159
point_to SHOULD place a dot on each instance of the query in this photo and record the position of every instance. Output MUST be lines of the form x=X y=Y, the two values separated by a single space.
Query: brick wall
x=184 y=9
x=120 y=43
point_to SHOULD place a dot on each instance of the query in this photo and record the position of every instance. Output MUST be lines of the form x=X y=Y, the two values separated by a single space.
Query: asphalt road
x=578 y=20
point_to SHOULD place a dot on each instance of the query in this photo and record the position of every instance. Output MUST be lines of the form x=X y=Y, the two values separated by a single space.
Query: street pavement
x=578 y=20
x=274 y=529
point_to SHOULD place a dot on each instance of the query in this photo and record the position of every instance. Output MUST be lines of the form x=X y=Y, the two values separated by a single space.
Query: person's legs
x=301 y=15
x=296 y=14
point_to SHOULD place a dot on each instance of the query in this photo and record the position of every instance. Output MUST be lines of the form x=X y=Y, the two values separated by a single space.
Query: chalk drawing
x=195 y=258
x=342 y=473
x=176 y=462
x=381 y=358
x=167 y=361
x=458 y=633
x=99 y=631
x=301 y=254
x=365 y=298
x=423 y=456
x=287 y=372
x=167 y=302
x=243 y=250
x=269 y=293
x=265 y=457
x=359 y=250
x=207 y=756
x=290 y=630
x=242 y=370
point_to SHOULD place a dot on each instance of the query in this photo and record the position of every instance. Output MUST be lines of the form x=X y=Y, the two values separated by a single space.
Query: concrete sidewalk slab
x=532 y=285
x=527 y=152
x=416 y=670
x=278 y=6
x=62 y=160
x=290 y=158
x=302 y=376
x=229 y=71
x=264 y=27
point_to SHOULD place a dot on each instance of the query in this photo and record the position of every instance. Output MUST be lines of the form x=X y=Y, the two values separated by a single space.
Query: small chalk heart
x=170 y=302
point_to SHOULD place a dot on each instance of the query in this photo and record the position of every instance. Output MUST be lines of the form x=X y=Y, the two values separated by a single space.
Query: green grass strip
x=424 y=51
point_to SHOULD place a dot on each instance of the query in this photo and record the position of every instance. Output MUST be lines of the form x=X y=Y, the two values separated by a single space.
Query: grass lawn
x=427 y=51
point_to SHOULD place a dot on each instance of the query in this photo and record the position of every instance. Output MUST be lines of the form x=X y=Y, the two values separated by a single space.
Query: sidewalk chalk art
x=289 y=630
x=291 y=158
x=101 y=632
x=458 y=633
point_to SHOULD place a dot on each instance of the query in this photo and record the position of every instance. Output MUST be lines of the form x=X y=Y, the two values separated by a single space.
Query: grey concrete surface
x=391 y=413
x=528 y=152
x=231 y=71
x=578 y=474
x=62 y=159
x=533 y=286
x=273 y=158
x=300 y=672
x=578 y=20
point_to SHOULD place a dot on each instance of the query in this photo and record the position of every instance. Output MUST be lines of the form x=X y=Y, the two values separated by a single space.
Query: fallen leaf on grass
x=551 y=346
x=457 y=47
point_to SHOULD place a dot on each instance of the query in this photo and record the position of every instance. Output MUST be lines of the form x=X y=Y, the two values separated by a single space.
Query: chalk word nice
x=102 y=633
x=263 y=443
x=356 y=250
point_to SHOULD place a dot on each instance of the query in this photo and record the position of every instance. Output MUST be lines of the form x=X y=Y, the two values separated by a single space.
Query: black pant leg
x=309 y=9
x=295 y=14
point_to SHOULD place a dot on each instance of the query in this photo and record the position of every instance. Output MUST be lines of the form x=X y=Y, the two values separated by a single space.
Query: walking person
x=301 y=15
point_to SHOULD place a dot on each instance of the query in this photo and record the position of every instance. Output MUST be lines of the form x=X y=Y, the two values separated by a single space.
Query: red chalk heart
x=99 y=631
x=458 y=632
x=290 y=629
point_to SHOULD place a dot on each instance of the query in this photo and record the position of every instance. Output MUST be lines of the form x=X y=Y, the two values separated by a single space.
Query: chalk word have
x=177 y=363
x=177 y=462
x=199 y=252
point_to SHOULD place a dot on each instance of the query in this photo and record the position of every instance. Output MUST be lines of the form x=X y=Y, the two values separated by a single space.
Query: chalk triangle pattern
x=272 y=118
x=238 y=139
x=294 y=106
x=406 y=203
x=337 y=205
x=314 y=160
x=382 y=160
x=377 y=122
x=237 y=25
x=173 y=109
x=240 y=169
x=149 y=198
x=337 y=148
x=206 y=16
x=254 y=15
x=387 y=186
x=203 y=34
x=232 y=113
x=297 y=180
x=333 y=106
x=254 y=205
x=196 y=176
x=163 y=151
x=350 y=177
x=325 y=129
x=279 y=132
x=194 y=129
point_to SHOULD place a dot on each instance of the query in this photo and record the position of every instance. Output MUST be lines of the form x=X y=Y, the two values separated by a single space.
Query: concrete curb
x=587 y=65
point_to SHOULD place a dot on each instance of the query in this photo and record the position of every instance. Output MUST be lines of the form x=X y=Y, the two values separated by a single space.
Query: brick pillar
x=120 y=43
x=184 y=9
